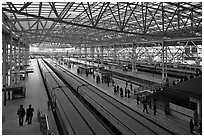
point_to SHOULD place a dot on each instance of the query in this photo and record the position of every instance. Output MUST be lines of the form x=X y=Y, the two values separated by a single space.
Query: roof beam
x=76 y=24
x=52 y=4
x=25 y=6
x=89 y=16
x=101 y=13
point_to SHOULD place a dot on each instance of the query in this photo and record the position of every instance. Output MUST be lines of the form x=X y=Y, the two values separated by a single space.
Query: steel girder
x=103 y=22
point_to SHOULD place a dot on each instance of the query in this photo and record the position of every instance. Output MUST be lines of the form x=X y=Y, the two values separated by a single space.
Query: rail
x=159 y=126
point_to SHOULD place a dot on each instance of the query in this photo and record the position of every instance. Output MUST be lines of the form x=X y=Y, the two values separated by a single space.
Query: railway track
x=73 y=116
x=123 y=118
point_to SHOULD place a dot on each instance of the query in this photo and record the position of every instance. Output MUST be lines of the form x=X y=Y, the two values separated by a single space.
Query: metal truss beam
x=76 y=24
x=25 y=6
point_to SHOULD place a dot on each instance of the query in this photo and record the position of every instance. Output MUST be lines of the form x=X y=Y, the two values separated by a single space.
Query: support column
x=7 y=37
x=163 y=76
x=19 y=61
x=163 y=33
x=79 y=53
x=98 y=55
x=114 y=53
x=92 y=53
x=166 y=60
x=7 y=64
x=133 y=58
x=102 y=57
x=11 y=66
x=27 y=55
x=4 y=67
x=15 y=61
x=85 y=55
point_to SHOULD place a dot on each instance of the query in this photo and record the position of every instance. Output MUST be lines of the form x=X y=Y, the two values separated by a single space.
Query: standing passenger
x=138 y=100
x=126 y=84
x=21 y=114
x=128 y=93
x=108 y=81
x=115 y=89
x=113 y=82
x=145 y=106
x=87 y=73
x=125 y=91
x=135 y=90
x=131 y=86
x=29 y=114
x=121 y=92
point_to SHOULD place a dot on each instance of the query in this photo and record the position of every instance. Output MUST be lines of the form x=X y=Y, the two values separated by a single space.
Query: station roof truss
x=66 y=24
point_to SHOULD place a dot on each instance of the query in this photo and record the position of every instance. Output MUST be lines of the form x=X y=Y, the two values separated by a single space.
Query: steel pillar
x=102 y=55
x=26 y=55
x=92 y=53
x=85 y=48
x=15 y=61
x=134 y=69
x=11 y=65
x=19 y=61
x=115 y=53
x=79 y=53
x=4 y=66
x=163 y=76
x=166 y=60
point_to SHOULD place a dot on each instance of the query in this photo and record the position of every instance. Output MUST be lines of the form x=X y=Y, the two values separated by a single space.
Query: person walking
x=126 y=84
x=154 y=107
x=145 y=105
x=135 y=91
x=121 y=92
x=128 y=93
x=138 y=99
x=97 y=79
x=108 y=82
x=115 y=89
x=113 y=82
x=21 y=114
x=191 y=125
x=131 y=86
x=29 y=114
x=118 y=88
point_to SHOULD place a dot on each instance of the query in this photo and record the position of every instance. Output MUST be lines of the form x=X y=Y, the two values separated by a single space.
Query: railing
x=44 y=123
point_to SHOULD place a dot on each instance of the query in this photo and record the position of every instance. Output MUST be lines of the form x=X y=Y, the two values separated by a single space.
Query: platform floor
x=36 y=96
x=179 y=126
x=157 y=78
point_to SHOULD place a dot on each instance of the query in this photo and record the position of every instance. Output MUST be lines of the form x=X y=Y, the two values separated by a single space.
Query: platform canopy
x=188 y=89
x=68 y=24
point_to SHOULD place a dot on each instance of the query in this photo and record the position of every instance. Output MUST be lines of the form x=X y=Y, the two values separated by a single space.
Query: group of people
x=21 y=113
x=146 y=101
x=119 y=89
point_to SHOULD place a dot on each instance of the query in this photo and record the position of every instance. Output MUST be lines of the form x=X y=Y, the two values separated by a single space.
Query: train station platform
x=177 y=125
x=156 y=78
x=37 y=97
